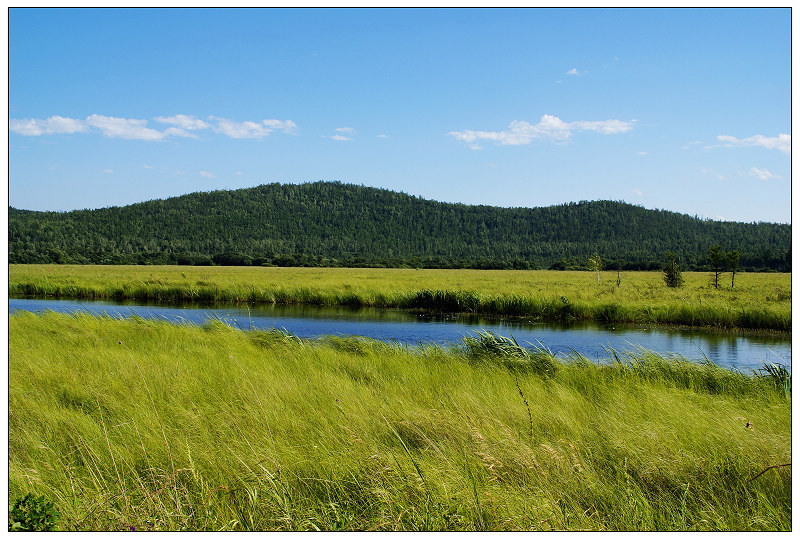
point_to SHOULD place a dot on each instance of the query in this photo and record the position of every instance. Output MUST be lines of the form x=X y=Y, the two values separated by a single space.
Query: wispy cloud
x=123 y=128
x=342 y=134
x=574 y=71
x=261 y=129
x=638 y=192
x=108 y=171
x=206 y=174
x=182 y=125
x=782 y=142
x=762 y=174
x=182 y=121
x=551 y=127
x=51 y=126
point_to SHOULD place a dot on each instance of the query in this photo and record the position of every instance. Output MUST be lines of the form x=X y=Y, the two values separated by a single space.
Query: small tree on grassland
x=596 y=264
x=716 y=259
x=733 y=264
x=672 y=272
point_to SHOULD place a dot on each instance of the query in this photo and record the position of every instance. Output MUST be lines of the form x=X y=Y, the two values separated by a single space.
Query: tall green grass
x=150 y=425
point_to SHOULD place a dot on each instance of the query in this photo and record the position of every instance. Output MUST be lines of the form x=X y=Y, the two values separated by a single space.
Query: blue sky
x=679 y=109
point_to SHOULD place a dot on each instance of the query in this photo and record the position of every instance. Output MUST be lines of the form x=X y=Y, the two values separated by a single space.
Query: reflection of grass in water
x=759 y=301
x=154 y=425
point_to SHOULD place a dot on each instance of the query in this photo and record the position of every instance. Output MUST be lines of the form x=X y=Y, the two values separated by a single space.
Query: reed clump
x=140 y=424
x=489 y=346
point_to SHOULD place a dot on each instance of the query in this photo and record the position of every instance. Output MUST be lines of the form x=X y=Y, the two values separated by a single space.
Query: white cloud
x=147 y=166
x=108 y=125
x=206 y=174
x=123 y=128
x=182 y=125
x=51 y=126
x=638 y=192
x=641 y=153
x=342 y=134
x=182 y=121
x=287 y=126
x=383 y=136
x=552 y=127
x=762 y=174
x=574 y=71
x=782 y=142
x=251 y=129
x=238 y=173
x=108 y=171
x=241 y=129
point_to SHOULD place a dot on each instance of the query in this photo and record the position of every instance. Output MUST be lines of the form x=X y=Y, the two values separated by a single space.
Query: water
x=743 y=352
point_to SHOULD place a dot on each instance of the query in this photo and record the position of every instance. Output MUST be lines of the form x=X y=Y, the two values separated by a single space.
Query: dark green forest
x=335 y=224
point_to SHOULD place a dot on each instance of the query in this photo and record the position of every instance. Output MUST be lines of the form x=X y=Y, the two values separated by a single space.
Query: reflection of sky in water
x=590 y=340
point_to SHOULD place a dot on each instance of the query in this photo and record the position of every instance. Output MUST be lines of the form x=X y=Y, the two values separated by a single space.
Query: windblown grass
x=759 y=301
x=146 y=424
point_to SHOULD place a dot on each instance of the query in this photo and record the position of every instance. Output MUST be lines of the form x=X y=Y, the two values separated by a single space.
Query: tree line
x=335 y=224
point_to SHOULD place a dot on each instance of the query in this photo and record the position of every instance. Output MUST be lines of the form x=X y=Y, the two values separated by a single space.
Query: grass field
x=758 y=300
x=142 y=424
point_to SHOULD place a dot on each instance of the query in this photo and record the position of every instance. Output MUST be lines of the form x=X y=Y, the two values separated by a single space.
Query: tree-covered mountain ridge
x=336 y=224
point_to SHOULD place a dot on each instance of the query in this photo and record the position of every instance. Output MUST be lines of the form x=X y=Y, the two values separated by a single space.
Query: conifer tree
x=672 y=272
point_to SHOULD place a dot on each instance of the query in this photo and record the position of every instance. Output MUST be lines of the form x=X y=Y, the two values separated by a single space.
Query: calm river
x=743 y=352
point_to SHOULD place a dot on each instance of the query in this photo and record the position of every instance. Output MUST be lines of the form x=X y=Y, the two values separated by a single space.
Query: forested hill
x=329 y=223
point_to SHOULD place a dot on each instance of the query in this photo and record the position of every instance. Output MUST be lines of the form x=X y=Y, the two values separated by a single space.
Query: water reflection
x=744 y=352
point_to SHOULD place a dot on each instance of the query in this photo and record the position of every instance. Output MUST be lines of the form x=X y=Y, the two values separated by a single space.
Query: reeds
x=507 y=351
x=780 y=376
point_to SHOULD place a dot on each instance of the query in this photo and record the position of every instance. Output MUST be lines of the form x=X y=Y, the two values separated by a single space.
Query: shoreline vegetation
x=759 y=301
x=134 y=424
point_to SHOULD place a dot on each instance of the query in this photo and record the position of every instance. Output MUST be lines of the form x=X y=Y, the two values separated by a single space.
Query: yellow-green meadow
x=146 y=425
x=756 y=301
x=128 y=424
